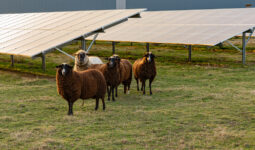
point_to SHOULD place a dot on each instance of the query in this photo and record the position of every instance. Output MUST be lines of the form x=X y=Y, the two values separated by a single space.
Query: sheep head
x=112 y=61
x=149 y=57
x=64 y=69
x=117 y=58
x=81 y=57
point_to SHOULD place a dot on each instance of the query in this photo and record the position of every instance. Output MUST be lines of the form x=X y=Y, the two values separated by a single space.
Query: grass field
x=205 y=104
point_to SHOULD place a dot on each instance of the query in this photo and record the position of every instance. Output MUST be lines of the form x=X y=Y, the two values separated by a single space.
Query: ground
x=205 y=104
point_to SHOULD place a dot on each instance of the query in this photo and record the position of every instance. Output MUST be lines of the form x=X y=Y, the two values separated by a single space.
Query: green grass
x=206 y=104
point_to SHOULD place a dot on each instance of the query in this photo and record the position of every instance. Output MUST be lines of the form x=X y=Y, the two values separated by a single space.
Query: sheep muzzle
x=64 y=69
x=149 y=59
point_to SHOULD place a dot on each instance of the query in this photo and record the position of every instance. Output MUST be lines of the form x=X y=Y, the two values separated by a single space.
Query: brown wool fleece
x=84 y=84
x=112 y=75
x=125 y=71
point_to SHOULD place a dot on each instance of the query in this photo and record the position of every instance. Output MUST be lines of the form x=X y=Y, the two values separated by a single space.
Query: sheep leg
x=125 y=88
x=150 y=87
x=143 y=87
x=97 y=101
x=137 y=84
x=70 y=104
x=128 y=88
x=109 y=93
x=82 y=103
x=112 y=89
x=103 y=103
x=116 y=91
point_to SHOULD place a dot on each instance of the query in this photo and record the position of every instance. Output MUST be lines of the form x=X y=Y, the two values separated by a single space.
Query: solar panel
x=190 y=27
x=30 y=34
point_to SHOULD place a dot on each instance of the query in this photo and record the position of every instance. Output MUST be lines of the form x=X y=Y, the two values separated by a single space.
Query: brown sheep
x=125 y=72
x=111 y=73
x=145 y=68
x=72 y=85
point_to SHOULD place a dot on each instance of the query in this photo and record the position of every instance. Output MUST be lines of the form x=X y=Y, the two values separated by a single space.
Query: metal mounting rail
x=65 y=53
x=92 y=43
x=233 y=46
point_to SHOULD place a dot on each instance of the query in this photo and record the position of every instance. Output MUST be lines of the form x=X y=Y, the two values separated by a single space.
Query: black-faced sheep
x=111 y=73
x=125 y=73
x=83 y=61
x=145 y=68
x=72 y=85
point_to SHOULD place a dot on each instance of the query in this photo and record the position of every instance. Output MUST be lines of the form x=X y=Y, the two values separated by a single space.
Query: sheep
x=83 y=61
x=72 y=85
x=125 y=73
x=111 y=73
x=145 y=68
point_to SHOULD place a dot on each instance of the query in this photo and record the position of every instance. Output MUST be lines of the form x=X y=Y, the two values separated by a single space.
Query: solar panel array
x=189 y=27
x=30 y=34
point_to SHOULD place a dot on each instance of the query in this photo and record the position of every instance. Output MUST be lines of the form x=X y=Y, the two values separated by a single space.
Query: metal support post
x=83 y=44
x=12 y=60
x=244 y=47
x=43 y=62
x=190 y=50
x=113 y=47
x=131 y=44
x=147 y=47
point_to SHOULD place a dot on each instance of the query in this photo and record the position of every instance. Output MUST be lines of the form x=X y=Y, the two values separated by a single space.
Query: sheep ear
x=117 y=57
x=59 y=66
x=70 y=67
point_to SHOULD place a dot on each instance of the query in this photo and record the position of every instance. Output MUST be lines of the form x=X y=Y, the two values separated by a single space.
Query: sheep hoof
x=96 y=109
x=103 y=108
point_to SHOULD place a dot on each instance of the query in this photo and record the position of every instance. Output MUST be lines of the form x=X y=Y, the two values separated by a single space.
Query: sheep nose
x=149 y=59
x=81 y=59
x=63 y=72
x=111 y=64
